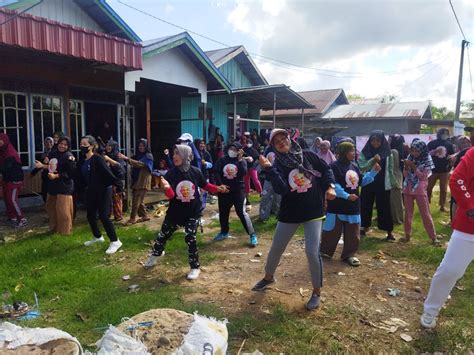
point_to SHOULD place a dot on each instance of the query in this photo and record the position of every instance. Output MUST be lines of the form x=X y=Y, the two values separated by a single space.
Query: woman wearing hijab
x=343 y=213
x=417 y=170
x=440 y=149
x=316 y=145
x=303 y=180
x=12 y=176
x=60 y=172
x=142 y=167
x=118 y=167
x=397 y=145
x=48 y=144
x=251 y=157
x=377 y=151
x=181 y=185
x=95 y=176
x=325 y=152
x=230 y=171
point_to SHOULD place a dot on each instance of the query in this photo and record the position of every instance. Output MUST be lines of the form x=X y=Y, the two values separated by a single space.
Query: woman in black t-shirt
x=181 y=185
x=303 y=180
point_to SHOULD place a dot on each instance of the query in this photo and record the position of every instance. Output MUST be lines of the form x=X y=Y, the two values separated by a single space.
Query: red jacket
x=461 y=184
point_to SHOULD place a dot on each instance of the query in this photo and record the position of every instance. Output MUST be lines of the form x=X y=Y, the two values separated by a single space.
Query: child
x=230 y=171
x=181 y=185
x=343 y=213
x=417 y=170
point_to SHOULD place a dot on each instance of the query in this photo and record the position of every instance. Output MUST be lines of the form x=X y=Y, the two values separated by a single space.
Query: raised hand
x=264 y=162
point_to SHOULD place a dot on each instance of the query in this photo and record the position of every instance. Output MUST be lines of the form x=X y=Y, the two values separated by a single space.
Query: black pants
x=236 y=199
x=98 y=207
x=382 y=200
x=190 y=229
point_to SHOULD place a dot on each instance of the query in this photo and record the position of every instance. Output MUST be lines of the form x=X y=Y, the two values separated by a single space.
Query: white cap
x=186 y=137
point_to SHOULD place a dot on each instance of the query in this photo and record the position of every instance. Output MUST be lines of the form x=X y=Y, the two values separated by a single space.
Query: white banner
x=362 y=140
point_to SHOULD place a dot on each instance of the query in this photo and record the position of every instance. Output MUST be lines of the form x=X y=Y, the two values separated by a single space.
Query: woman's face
x=85 y=143
x=324 y=148
x=108 y=148
x=351 y=155
x=63 y=146
x=48 y=144
x=244 y=140
x=376 y=143
x=281 y=142
x=415 y=153
x=141 y=147
x=177 y=161
x=202 y=145
x=162 y=164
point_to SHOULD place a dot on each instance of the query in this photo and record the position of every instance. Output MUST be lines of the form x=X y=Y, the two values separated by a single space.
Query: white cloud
x=169 y=8
x=364 y=37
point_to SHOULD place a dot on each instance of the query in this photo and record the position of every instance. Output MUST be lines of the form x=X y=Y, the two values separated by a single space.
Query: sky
x=371 y=48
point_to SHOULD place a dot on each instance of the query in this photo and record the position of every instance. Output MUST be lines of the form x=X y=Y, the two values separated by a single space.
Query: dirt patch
x=55 y=347
x=164 y=334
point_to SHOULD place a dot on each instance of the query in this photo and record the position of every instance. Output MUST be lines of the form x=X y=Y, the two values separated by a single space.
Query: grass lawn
x=80 y=291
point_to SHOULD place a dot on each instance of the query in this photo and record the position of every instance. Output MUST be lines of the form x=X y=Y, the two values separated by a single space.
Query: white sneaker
x=428 y=320
x=151 y=261
x=194 y=274
x=93 y=241
x=113 y=247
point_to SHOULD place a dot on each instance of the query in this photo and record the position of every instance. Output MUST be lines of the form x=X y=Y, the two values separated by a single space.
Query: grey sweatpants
x=312 y=236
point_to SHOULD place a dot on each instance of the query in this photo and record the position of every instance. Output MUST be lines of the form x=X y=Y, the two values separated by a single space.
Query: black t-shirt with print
x=302 y=197
x=231 y=172
x=349 y=177
x=186 y=203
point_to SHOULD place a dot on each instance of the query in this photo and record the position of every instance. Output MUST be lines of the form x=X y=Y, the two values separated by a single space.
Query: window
x=76 y=122
x=121 y=127
x=13 y=121
x=47 y=113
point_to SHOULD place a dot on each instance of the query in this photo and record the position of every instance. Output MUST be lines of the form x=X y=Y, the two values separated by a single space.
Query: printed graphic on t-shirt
x=230 y=171
x=441 y=152
x=185 y=191
x=271 y=157
x=298 y=182
x=352 y=179
x=53 y=166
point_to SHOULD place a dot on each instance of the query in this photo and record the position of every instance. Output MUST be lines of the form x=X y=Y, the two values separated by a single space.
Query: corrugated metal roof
x=98 y=10
x=321 y=99
x=41 y=34
x=414 y=110
x=262 y=97
x=221 y=56
x=187 y=45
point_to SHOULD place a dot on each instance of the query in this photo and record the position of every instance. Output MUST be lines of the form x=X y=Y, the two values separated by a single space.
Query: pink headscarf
x=7 y=150
x=328 y=157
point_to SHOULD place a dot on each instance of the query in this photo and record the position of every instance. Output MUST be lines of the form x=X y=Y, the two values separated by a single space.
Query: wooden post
x=204 y=116
x=302 y=121
x=274 y=108
x=128 y=150
x=235 y=118
x=66 y=111
x=148 y=120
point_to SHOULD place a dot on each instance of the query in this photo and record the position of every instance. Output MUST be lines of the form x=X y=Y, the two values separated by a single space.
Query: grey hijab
x=186 y=154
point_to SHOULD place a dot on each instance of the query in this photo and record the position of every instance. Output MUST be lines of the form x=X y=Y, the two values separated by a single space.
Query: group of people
x=331 y=191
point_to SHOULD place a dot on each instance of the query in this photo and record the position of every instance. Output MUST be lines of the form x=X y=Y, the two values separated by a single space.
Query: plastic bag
x=116 y=342
x=207 y=336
